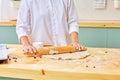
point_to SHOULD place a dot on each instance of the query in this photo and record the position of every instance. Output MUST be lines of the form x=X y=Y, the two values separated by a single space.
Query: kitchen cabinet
x=99 y=37
x=9 y=78
x=93 y=37
x=88 y=36
x=91 y=33
x=8 y=35
x=113 y=37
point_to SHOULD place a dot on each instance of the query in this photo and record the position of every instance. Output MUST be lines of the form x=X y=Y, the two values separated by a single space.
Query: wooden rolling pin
x=58 y=50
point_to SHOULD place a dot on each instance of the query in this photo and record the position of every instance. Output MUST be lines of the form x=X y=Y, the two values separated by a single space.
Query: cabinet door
x=93 y=37
x=113 y=38
x=8 y=35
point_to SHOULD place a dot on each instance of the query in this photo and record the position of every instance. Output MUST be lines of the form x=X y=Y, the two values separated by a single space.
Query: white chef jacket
x=47 y=21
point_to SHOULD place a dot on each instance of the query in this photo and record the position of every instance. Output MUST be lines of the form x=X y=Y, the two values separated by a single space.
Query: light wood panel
x=8 y=23
x=102 y=64
x=115 y=24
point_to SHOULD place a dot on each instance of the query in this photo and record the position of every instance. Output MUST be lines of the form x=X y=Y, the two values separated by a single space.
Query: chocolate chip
x=35 y=57
x=15 y=60
x=69 y=59
x=106 y=52
x=86 y=66
x=94 y=67
x=59 y=58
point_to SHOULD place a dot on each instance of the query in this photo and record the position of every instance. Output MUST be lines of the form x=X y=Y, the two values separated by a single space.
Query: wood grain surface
x=102 y=64
x=86 y=23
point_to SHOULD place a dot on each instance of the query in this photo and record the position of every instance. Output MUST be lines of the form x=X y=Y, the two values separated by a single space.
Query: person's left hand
x=78 y=46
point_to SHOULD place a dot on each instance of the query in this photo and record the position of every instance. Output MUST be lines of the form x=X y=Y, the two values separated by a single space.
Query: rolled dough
x=68 y=56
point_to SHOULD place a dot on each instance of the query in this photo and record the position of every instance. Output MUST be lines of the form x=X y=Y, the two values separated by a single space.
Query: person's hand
x=78 y=46
x=29 y=49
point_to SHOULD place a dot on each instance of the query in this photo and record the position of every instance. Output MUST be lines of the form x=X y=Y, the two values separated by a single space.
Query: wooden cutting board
x=102 y=64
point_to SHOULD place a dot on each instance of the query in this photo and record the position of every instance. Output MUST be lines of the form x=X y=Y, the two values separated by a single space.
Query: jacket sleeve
x=23 y=20
x=72 y=17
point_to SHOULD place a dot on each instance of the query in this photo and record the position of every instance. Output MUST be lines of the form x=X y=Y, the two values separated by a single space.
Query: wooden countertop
x=102 y=64
x=114 y=24
x=105 y=24
x=8 y=23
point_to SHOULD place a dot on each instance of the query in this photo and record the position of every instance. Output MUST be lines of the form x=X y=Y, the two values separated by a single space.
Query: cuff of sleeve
x=20 y=35
x=74 y=28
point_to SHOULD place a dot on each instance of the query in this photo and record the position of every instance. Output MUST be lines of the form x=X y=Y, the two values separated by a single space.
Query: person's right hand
x=27 y=46
x=29 y=49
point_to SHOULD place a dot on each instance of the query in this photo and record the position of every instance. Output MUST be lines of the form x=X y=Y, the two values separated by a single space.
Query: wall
x=7 y=10
x=86 y=11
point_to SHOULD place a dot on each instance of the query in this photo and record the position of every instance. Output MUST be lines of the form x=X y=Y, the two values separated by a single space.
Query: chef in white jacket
x=48 y=21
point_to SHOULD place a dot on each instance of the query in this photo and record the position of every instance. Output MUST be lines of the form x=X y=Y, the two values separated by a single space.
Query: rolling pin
x=58 y=50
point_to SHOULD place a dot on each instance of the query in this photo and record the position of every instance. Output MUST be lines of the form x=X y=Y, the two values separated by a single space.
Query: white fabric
x=7 y=10
x=47 y=21
x=4 y=53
